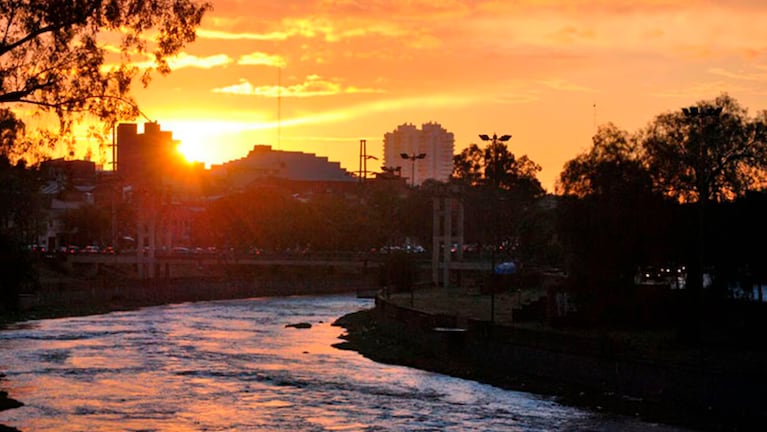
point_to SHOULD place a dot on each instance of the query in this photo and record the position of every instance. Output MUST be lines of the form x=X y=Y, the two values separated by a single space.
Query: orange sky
x=535 y=69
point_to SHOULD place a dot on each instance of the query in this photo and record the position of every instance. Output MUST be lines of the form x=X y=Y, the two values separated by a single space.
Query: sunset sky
x=544 y=71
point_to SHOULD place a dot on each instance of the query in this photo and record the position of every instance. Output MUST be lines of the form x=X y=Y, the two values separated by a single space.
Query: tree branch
x=11 y=17
x=6 y=48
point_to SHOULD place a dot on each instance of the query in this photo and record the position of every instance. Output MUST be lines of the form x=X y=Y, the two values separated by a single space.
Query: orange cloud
x=259 y=58
x=185 y=60
x=742 y=76
x=226 y=35
x=694 y=92
x=314 y=85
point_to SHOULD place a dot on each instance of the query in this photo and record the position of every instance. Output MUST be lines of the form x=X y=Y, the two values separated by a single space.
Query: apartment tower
x=432 y=140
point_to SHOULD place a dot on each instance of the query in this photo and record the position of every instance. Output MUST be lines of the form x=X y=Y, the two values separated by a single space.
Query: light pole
x=494 y=142
x=496 y=182
x=413 y=157
x=702 y=181
x=364 y=156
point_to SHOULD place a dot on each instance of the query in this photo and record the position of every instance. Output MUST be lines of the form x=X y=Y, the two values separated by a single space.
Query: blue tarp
x=507 y=267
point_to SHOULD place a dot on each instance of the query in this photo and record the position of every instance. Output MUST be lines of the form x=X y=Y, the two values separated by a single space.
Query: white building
x=432 y=140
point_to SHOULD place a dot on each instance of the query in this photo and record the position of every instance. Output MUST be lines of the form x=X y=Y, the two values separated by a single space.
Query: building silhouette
x=160 y=186
x=264 y=165
x=432 y=140
x=142 y=157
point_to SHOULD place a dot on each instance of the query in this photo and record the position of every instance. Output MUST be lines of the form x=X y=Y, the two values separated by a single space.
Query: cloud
x=314 y=85
x=224 y=35
x=742 y=76
x=713 y=89
x=330 y=27
x=259 y=58
x=184 y=60
x=377 y=107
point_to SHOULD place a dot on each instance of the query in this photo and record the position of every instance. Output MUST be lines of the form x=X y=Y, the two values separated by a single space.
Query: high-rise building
x=432 y=140
x=145 y=158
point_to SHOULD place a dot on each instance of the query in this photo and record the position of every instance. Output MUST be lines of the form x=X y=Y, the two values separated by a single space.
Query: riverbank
x=7 y=403
x=369 y=334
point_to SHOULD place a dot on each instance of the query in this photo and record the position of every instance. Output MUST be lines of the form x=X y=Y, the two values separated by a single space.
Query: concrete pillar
x=436 y=240
x=448 y=240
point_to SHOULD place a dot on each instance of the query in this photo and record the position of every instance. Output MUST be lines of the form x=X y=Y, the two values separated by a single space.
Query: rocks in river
x=301 y=325
x=8 y=403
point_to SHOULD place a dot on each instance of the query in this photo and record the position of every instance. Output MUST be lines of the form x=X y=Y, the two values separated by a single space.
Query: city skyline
x=318 y=76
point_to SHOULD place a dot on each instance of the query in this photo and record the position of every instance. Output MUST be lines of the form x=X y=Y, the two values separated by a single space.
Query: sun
x=216 y=141
x=192 y=149
x=194 y=141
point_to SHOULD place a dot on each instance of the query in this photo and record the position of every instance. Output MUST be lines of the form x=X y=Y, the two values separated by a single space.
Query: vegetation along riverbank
x=368 y=333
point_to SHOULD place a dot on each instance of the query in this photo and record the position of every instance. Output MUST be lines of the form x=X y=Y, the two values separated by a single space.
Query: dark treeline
x=679 y=202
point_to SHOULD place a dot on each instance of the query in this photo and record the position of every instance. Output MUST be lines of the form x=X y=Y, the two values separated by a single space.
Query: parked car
x=180 y=250
x=91 y=249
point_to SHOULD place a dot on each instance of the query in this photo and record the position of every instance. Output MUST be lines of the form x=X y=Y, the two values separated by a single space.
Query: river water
x=234 y=366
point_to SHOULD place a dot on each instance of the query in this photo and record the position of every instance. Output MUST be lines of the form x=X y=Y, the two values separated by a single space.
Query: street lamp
x=364 y=157
x=495 y=139
x=496 y=178
x=413 y=157
x=702 y=180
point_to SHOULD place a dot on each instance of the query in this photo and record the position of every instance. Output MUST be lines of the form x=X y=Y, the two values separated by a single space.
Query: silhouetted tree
x=500 y=194
x=53 y=53
x=20 y=201
x=613 y=166
x=496 y=166
x=710 y=157
x=10 y=129
x=17 y=272
x=468 y=166
x=610 y=222
x=714 y=157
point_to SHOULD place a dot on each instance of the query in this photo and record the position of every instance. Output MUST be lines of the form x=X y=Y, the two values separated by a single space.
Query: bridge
x=167 y=265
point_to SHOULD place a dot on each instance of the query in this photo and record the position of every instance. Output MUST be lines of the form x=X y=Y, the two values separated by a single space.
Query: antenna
x=595 y=118
x=279 y=106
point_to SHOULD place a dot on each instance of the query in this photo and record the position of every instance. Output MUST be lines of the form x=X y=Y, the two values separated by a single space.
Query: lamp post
x=496 y=182
x=364 y=157
x=413 y=157
x=702 y=180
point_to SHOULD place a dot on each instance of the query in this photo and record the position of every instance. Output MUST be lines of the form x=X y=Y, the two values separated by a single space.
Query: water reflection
x=233 y=366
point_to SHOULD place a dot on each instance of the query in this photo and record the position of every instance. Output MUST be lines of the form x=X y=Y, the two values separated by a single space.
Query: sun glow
x=210 y=142
x=193 y=149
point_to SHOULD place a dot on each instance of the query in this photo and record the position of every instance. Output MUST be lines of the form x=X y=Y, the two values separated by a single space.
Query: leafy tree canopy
x=496 y=165
x=717 y=155
x=53 y=56
x=612 y=166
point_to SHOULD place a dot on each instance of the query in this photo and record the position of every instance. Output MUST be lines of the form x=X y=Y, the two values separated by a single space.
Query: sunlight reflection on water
x=233 y=366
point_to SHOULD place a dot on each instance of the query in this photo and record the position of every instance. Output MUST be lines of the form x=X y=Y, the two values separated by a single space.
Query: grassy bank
x=366 y=336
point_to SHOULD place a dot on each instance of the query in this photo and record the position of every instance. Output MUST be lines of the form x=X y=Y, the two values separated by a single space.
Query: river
x=234 y=366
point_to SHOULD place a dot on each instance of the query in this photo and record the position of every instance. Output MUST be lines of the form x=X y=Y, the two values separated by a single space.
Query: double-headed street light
x=702 y=184
x=413 y=157
x=495 y=139
x=496 y=180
